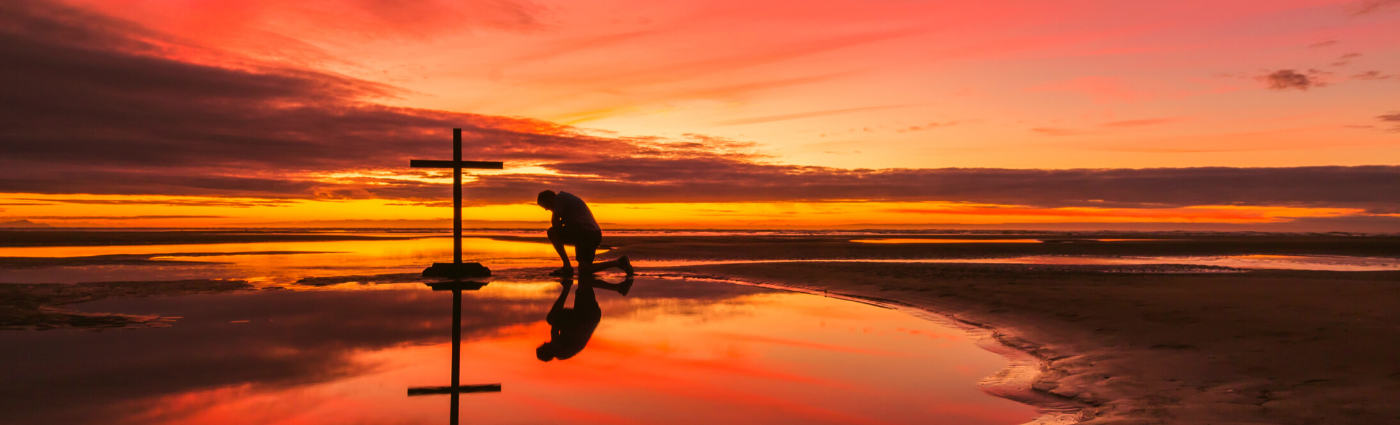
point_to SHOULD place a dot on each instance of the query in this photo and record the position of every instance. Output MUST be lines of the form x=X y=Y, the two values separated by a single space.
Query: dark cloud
x=721 y=180
x=1285 y=79
x=1393 y=118
x=93 y=105
x=165 y=202
x=1321 y=44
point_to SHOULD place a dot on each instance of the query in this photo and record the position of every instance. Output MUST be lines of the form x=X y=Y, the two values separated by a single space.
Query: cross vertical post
x=457 y=198
x=456 y=269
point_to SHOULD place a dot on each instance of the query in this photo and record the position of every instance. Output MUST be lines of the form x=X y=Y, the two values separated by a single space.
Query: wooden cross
x=456 y=389
x=456 y=164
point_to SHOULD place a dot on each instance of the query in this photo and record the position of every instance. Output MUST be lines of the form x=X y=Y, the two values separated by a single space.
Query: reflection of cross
x=456 y=164
x=456 y=388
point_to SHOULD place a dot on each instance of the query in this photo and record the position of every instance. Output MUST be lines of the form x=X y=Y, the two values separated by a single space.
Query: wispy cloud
x=1373 y=6
x=1141 y=123
x=1052 y=131
x=1371 y=75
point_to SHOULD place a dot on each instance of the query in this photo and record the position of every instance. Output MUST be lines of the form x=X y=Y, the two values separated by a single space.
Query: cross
x=456 y=269
x=456 y=389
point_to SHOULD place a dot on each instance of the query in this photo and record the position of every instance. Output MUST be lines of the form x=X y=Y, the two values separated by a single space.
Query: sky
x=1193 y=115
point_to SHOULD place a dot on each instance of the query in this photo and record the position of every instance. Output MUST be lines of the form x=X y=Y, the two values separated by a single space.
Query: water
x=275 y=263
x=669 y=351
x=1242 y=262
x=284 y=263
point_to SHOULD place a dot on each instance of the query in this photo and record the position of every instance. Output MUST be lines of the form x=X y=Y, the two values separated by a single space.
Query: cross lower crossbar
x=433 y=163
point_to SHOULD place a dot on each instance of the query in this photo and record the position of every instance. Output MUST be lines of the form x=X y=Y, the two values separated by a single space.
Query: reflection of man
x=571 y=328
x=572 y=223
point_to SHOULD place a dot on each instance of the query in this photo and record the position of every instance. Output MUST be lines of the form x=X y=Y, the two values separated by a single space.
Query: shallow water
x=1279 y=262
x=249 y=261
x=669 y=351
x=297 y=260
x=919 y=241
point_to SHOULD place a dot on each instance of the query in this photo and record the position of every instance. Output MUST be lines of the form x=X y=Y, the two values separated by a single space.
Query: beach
x=1126 y=345
x=1097 y=328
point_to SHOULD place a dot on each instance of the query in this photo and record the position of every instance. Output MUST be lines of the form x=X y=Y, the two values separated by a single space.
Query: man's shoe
x=563 y=272
x=626 y=265
x=625 y=287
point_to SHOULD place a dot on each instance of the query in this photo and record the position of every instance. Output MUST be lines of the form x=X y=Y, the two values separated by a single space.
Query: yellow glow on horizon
x=172 y=211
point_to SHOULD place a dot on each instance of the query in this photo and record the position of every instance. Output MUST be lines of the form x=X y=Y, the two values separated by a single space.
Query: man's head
x=545 y=352
x=546 y=200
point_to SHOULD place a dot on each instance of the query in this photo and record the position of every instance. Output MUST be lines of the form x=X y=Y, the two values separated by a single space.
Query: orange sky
x=883 y=85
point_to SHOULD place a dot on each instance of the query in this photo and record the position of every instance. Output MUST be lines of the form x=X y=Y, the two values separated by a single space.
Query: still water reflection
x=273 y=263
x=649 y=351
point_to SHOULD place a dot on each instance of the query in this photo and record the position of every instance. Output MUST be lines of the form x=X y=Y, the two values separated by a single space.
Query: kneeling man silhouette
x=573 y=224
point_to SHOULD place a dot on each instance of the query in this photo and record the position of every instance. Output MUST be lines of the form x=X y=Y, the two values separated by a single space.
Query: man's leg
x=584 y=253
x=553 y=317
x=586 y=302
x=556 y=237
x=592 y=242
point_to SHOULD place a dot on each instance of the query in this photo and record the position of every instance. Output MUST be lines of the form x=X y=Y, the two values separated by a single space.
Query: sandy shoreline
x=1243 y=348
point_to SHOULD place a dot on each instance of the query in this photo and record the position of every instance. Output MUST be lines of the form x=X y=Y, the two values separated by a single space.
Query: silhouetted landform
x=38 y=306
x=16 y=238
x=784 y=247
x=23 y=224
x=1263 y=346
x=127 y=259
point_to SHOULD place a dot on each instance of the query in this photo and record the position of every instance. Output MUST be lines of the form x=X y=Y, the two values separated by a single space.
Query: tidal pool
x=274 y=263
x=644 y=351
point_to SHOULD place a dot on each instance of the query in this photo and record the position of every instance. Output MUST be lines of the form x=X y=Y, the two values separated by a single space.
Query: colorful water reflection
x=666 y=352
x=276 y=263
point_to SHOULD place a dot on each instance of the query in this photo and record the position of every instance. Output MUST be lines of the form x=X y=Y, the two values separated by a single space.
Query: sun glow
x=168 y=211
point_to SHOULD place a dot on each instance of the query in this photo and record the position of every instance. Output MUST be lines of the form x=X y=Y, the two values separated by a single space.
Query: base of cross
x=456 y=270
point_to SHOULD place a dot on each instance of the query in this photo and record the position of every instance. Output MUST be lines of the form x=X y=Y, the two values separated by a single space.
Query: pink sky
x=245 y=112
x=1019 y=84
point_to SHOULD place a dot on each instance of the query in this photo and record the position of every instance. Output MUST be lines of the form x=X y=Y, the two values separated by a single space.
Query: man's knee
x=555 y=235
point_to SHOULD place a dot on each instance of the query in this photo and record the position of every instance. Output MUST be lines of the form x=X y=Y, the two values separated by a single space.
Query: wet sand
x=1138 y=346
x=42 y=306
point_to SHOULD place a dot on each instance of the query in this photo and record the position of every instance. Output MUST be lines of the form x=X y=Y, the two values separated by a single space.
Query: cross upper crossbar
x=434 y=163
